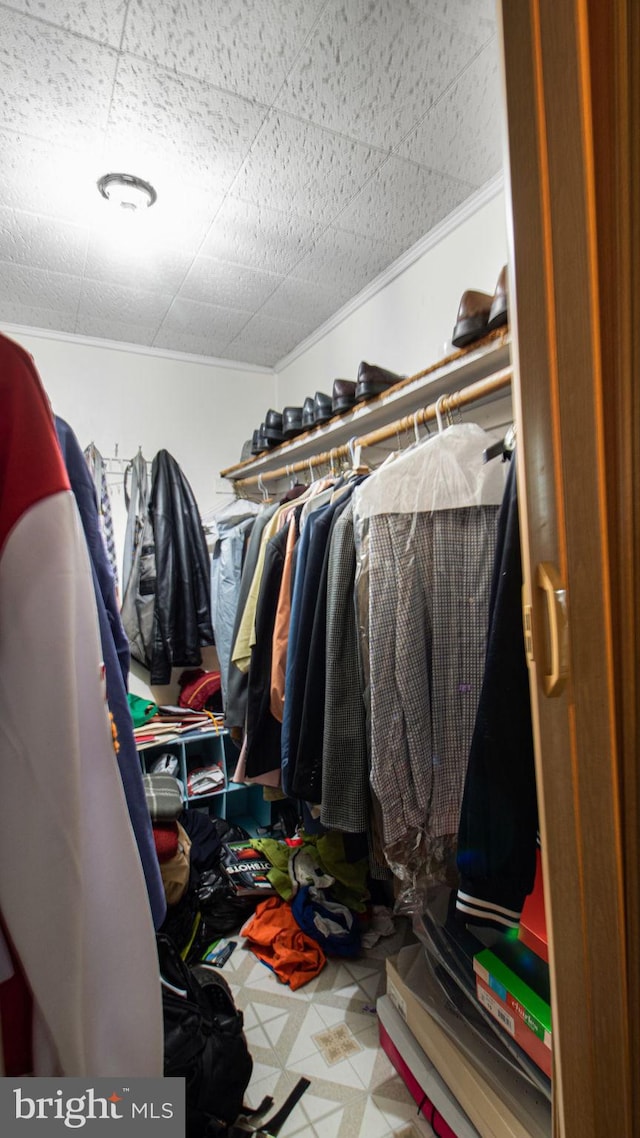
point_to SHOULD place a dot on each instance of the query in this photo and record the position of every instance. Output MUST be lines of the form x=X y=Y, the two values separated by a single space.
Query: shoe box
x=512 y=984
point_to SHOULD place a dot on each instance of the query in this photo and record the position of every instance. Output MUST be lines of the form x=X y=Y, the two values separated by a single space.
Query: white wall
x=200 y=412
x=407 y=325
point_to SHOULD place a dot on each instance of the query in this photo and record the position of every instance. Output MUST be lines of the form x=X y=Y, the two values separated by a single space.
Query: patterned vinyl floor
x=328 y=1031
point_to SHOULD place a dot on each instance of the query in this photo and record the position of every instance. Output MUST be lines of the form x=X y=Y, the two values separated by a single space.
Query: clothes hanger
x=356 y=468
x=439 y=421
x=504 y=448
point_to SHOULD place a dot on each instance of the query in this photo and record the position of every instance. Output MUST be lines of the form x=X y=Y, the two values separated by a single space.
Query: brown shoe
x=343 y=395
x=473 y=315
x=499 y=313
x=373 y=380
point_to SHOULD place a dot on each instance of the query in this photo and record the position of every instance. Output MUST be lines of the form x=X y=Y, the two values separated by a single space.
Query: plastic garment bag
x=426 y=528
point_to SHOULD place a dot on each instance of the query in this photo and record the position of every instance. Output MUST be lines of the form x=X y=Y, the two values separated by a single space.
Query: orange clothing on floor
x=276 y=939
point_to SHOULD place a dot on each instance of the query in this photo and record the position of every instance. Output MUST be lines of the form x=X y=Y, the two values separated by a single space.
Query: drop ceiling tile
x=297 y=166
x=101 y=20
x=42 y=243
x=218 y=282
x=55 y=85
x=44 y=178
x=115 y=330
x=174 y=341
x=307 y=301
x=462 y=134
x=191 y=318
x=105 y=300
x=262 y=238
x=264 y=341
x=403 y=201
x=201 y=133
x=135 y=259
x=35 y=288
x=373 y=67
x=246 y=46
x=349 y=260
x=34 y=317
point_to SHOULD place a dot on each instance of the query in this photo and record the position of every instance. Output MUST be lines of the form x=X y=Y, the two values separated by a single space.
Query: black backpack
x=203 y=1042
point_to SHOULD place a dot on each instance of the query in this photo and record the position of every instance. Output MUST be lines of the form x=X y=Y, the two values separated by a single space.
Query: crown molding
x=452 y=221
x=18 y=330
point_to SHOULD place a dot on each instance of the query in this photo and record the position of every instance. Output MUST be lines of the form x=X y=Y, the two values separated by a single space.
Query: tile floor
x=327 y=1031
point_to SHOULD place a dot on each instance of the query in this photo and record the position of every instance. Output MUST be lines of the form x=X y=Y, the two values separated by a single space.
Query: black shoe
x=344 y=395
x=291 y=422
x=322 y=409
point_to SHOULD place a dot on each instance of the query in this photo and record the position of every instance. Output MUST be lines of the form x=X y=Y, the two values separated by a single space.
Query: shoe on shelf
x=322 y=409
x=308 y=409
x=499 y=311
x=473 y=316
x=343 y=395
x=273 y=427
x=259 y=442
x=291 y=422
x=372 y=380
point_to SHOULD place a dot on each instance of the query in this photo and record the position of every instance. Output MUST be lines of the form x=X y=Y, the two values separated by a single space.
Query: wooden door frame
x=571 y=75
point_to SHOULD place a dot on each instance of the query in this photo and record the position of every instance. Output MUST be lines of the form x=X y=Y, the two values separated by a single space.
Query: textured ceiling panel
x=36 y=288
x=297 y=148
x=103 y=329
x=219 y=282
x=296 y=166
x=276 y=337
x=402 y=202
x=203 y=133
x=195 y=319
x=42 y=243
x=147 y=266
x=344 y=81
x=55 y=85
x=101 y=20
x=461 y=134
x=311 y=302
x=48 y=179
x=348 y=259
x=262 y=238
x=246 y=46
x=108 y=301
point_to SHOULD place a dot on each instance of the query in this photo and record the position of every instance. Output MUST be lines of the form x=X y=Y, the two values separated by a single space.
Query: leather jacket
x=182 y=611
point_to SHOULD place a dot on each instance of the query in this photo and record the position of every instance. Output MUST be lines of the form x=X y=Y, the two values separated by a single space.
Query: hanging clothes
x=115 y=653
x=431 y=518
x=263 y=731
x=307 y=780
x=230 y=530
x=73 y=899
x=237 y=681
x=345 y=764
x=137 y=505
x=95 y=462
x=499 y=818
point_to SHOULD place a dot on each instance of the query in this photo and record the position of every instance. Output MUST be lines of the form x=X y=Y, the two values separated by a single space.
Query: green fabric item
x=350 y=887
x=142 y=710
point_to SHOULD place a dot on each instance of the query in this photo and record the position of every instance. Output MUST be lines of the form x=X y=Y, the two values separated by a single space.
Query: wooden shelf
x=456 y=371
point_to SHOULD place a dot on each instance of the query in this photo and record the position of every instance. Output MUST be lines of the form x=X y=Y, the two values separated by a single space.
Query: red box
x=438 y=1124
x=533 y=925
x=507 y=1016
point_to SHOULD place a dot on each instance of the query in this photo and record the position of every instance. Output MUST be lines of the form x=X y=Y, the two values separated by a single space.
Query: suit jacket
x=307 y=781
x=263 y=730
x=237 y=681
x=345 y=764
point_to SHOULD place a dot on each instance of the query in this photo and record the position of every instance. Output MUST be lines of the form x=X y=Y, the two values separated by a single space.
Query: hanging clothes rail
x=446 y=403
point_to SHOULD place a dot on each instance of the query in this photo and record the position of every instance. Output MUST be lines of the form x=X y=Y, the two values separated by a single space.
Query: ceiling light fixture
x=127 y=191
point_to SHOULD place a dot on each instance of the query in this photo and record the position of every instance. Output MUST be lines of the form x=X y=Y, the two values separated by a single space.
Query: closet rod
x=479 y=390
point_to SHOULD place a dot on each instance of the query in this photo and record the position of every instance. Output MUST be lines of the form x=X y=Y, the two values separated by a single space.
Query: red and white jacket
x=73 y=901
